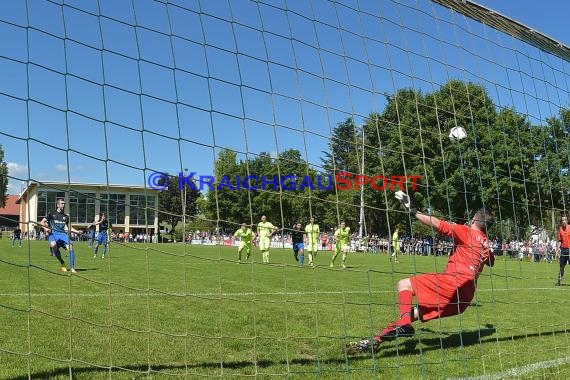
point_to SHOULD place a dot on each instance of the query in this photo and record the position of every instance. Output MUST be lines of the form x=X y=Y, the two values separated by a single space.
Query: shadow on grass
x=446 y=340
x=398 y=348
x=180 y=369
x=454 y=340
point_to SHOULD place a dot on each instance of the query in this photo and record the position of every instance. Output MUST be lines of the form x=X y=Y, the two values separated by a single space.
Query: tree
x=171 y=199
x=284 y=203
x=410 y=138
x=225 y=204
x=343 y=146
x=266 y=201
x=344 y=155
x=397 y=142
x=3 y=178
x=517 y=169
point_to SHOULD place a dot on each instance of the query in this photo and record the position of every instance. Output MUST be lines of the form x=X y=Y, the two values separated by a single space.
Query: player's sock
x=310 y=258
x=395 y=330
x=343 y=258
x=104 y=250
x=95 y=250
x=334 y=257
x=390 y=328
x=302 y=259
x=405 y=301
x=239 y=255
x=72 y=259
x=57 y=255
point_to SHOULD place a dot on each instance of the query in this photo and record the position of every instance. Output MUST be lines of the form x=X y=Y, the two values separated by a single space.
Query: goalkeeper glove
x=406 y=202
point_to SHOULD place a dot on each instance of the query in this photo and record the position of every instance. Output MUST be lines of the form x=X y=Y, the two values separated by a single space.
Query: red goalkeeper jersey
x=564 y=237
x=471 y=250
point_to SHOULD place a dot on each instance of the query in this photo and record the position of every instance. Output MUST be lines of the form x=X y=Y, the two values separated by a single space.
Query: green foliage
x=284 y=202
x=505 y=163
x=517 y=169
x=343 y=145
x=170 y=202
x=225 y=205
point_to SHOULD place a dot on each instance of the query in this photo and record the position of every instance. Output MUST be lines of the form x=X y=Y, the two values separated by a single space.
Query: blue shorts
x=61 y=240
x=297 y=247
x=102 y=238
x=92 y=235
x=564 y=256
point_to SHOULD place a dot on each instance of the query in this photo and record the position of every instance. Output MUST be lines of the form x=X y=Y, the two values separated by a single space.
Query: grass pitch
x=185 y=311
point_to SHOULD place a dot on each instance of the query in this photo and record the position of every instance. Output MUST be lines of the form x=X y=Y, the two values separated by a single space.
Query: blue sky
x=101 y=101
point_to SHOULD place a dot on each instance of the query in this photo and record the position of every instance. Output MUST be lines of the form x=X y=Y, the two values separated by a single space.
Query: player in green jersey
x=341 y=237
x=246 y=236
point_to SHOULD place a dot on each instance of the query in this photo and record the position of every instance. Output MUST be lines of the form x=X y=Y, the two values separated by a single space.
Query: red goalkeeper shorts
x=442 y=295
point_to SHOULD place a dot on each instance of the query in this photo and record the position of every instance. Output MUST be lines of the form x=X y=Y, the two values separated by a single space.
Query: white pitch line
x=520 y=371
x=237 y=294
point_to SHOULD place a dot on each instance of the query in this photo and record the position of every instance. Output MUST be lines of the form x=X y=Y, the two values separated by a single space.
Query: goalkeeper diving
x=438 y=295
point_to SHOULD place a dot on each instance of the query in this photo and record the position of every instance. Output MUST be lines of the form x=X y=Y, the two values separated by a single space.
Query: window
x=114 y=206
x=46 y=201
x=81 y=207
x=139 y=205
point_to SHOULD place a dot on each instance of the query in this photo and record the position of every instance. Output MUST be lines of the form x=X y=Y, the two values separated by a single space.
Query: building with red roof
x=10 y=214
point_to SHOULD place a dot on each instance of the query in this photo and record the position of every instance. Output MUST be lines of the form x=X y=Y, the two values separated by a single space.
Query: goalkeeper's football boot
x=394 y=331
x=363 y=346
x=63 y=269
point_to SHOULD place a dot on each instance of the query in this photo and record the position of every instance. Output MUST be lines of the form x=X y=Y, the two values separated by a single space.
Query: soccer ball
x=457 y=134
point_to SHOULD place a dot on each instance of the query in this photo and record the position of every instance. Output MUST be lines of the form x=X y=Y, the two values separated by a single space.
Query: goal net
x=209 y=138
